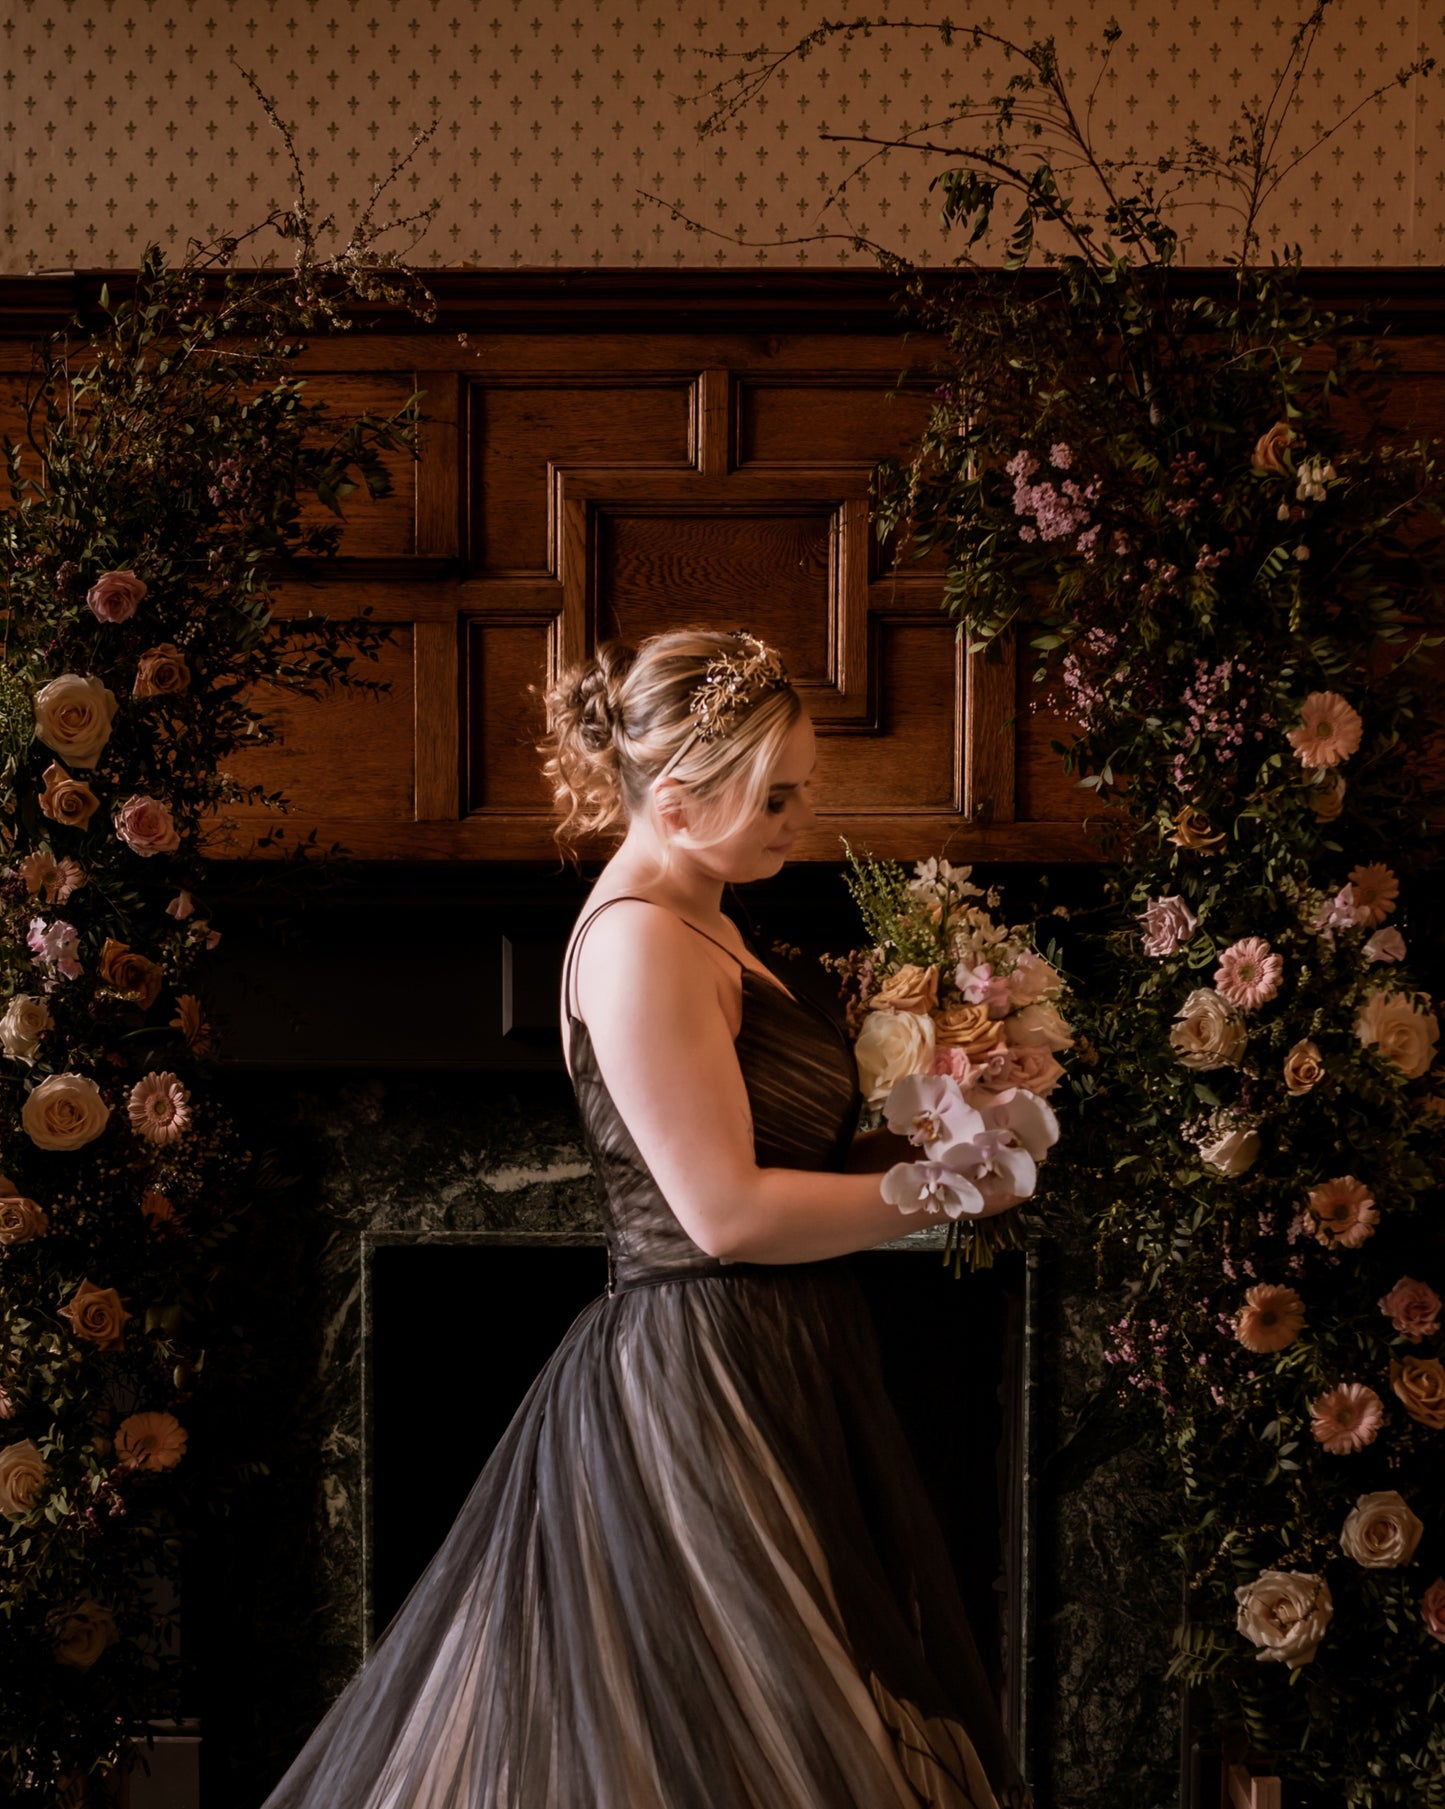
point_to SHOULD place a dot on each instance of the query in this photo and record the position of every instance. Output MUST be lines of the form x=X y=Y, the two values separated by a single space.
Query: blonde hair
x=619 y=721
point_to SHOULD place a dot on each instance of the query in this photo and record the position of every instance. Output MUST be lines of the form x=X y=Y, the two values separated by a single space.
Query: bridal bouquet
x=957 y=1028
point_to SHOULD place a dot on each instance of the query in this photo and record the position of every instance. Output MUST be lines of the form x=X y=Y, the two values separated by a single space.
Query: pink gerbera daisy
x=1271 y=1318
x=1347 y=1418
x=1343 y=1211
x=150 y=1441
x=1329 y=730
x=1248 y=974
x=1376 y=889
x=158 y=1108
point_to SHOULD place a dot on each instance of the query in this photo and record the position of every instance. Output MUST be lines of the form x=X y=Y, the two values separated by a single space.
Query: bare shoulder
x=635 y=949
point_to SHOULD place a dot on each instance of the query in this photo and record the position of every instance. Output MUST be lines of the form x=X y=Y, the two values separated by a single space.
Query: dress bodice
x=802 y=1089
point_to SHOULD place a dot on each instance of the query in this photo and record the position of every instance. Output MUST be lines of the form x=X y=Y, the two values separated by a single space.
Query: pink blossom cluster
x=1189 y=474
x=1086 y=670
x=1054 y=509
x=54 y=947
x=1221 y=708
x=1133 y=1356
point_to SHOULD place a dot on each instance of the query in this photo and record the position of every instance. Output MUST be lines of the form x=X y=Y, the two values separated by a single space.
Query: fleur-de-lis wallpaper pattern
x=127 y=121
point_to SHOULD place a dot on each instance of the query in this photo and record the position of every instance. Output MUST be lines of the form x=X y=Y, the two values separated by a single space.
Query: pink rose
x=1168 y=924
x=145 y=826
x=115 y=596
x=1413 y=1308
x=1432 y=1609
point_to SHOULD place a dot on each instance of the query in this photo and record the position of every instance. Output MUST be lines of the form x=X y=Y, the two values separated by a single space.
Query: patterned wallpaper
x=128 y=120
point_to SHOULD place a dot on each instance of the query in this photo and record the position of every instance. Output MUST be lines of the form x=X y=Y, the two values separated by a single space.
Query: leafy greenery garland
x=1225 y=560
x=157 y=493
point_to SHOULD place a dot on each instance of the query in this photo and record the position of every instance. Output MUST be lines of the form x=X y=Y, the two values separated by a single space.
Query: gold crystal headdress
x=733 y=682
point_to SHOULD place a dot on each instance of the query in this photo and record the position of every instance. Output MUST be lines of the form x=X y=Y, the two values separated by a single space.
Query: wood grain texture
x=437 y=720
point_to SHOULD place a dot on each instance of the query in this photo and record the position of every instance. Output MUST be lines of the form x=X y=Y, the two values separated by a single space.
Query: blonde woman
x=700 y=1571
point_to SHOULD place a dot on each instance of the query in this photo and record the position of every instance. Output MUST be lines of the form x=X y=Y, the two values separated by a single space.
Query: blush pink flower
x=1168 y=925
x=1329 y=730
x=1271 y=1318
x=1432 y=1609
x=1343 y=1211
x=53 y=945
x=1376 y=893
x=1347 y=1418
x=145 y=826
x=115 y=596
x=1248 y=973
x=159 y=1108
x=1413 y=1308
x=181 y=906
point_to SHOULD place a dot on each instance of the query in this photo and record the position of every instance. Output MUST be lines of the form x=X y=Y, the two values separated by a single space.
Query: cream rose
x=26 y=1020
x=82 y=1635
x=23 y=1474
x=1381 y=1533
x=145 y=826
x=1304 y=1069
x=1208 y=1032
x=890 y=1045
x=1232 y=1153
x=20 y=1219
x=73 y=717
x=64 y=1112
x=1286 y=1614
x=1400 y=1033
x=910 y=989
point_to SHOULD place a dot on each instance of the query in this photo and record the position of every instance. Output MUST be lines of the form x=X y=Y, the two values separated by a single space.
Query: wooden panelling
x=382 y=527
x=519 y=433
x=787 y=423
x=506 y=667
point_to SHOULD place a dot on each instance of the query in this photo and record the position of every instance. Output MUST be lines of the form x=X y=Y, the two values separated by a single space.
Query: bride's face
x=759 y=845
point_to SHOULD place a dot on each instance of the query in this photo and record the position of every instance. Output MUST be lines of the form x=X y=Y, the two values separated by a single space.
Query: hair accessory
x=732 y=683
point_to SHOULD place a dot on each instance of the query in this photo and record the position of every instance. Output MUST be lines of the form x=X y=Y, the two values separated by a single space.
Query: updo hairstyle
x=622 y=720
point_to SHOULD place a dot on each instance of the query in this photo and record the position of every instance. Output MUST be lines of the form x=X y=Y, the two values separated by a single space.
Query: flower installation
x=1183 y=508
x=957 y=1029
x=154 y=503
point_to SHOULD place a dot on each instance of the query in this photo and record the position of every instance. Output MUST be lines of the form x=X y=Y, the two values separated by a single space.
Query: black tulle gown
x=700 y=1570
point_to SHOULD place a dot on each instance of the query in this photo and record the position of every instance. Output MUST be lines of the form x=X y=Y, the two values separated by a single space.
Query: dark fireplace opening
x=459 y=1330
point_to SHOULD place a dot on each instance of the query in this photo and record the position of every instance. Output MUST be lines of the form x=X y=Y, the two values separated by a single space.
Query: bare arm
x=662 y=1014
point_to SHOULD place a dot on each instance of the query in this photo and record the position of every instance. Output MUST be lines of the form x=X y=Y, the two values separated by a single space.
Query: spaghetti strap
x=569 y=971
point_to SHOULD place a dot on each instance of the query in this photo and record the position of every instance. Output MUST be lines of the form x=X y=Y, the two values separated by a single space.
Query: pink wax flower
x=1413 y=1308
x=115 y=596
x=1168 y=925
x=1248 y=973
x=1376 y=893
x=1385 y=945
x=1347 y=1418
x=53 y=945
x=1329 y=730
x=1432 y=1609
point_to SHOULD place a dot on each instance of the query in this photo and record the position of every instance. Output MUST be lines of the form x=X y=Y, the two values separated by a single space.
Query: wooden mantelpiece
x=615 y=452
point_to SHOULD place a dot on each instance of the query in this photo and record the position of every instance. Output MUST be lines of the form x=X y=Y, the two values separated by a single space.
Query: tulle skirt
x=699 y=1572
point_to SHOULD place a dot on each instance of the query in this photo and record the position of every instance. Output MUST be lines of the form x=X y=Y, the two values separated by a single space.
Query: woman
x=700 y=1570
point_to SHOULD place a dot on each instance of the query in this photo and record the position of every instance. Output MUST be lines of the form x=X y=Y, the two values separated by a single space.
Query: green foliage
x=171 y=439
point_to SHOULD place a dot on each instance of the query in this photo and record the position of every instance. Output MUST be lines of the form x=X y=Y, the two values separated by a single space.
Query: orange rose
x=66 y=800
x=129 y=973
x=1420 y=1384
x=162 y=672
x=969 y=1028
x=910 y=989
x=20 y=1219
x=1270 y=448
x=96 y=1314
x=1193 y=829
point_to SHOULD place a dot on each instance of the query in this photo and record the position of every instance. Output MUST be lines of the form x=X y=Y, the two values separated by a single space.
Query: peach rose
x=890 y=1045
x=1193 y=829
x=26 y=1020
x=1413 y=1308
x=20 y=1219
x=1304 y=1069
x=1029 y=1066
x=1270 y=448
x=97 y=1316
x=150 y=1441
x=73 y=717
x=1381 y=1533
x=1432 y=1609
x=82 y=1635
x=1419 y=1382
x=1389 y=1022
x=64 y=1112
x=66 y=800
x=162 y=672
x=910 y=989
x=1286 y=1613
x=129 y=973
x=969 y=1028
x=145 y=826
x=1208 y=1031
x=23 y=1475
x=115 y=596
